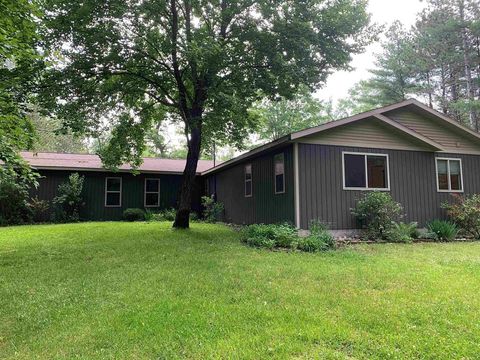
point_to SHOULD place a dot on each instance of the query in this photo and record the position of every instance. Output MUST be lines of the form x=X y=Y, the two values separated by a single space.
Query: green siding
x=132 y=192
x=264 y=206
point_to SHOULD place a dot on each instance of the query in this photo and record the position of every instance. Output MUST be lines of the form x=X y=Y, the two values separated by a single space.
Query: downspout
x=296 y=182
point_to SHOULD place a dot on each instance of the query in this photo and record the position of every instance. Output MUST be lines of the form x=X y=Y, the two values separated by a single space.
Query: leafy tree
x=69 y=200
x=202 y=62
x=283 y=116
x=19 y=66
x=50 y=136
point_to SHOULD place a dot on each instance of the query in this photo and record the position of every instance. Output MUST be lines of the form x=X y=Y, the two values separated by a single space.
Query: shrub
x=465 y=212
x=39 y=209
x=377 y=212
x=13 y=199
x=69 y=201
x=212 y=210
x=322 y=241
x=441 y=230
x=269 y=236
x=134 y=214
x=402 y=232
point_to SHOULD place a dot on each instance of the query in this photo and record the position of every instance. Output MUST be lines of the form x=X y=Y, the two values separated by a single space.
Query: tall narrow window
x=363 y=171
x=449 y=175
x=152 y=192
x=279 y=168
x=248 y=180
x=113 y=192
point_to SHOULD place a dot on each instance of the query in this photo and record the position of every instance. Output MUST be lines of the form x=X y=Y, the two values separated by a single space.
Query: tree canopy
x=199 y=62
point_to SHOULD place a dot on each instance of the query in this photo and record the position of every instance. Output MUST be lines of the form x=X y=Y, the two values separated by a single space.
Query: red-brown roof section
x=90 y=162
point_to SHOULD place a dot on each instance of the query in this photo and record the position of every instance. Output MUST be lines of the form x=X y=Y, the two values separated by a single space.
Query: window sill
x=364 y=189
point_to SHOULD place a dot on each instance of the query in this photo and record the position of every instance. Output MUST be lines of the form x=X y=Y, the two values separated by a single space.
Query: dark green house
x=108 y=194
x=418 y=155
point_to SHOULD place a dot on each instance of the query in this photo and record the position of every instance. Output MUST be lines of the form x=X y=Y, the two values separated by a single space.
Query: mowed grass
x=143 y=290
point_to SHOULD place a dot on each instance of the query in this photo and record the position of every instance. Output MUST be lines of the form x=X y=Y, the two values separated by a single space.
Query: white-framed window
x=152 y=193
x=279 y=169
x=365 y=171
x=449 y=175
x=248 y=180
x=113 y=192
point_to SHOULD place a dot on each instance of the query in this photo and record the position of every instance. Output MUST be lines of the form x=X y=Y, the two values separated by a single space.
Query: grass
x=142 y=290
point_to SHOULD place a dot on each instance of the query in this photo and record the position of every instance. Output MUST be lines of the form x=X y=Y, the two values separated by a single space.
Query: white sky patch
x=383 y=12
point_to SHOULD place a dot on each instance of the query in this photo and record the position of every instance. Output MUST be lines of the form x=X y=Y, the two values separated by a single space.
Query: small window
x=449 y=175
x=248 y=180
x=113 y=192
x=279 y=167
x=152 y=192
x=365 y=171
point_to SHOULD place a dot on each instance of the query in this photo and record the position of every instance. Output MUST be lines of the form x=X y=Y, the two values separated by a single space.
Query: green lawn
x=142 y=290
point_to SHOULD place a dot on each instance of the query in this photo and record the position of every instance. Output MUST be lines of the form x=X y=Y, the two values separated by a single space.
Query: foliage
x=436 y=60
x=13 y=199
x=212 y=210
x=282 y=116
x=377 y=212
x=134 y=214
x=39 y=209
x=269 y=236
x=69 y=200
x=19 y=67
x=198 y=63
x=403 y=232
x=465 y=212
x=441 y=230
x=321 y=241
x=163 y=215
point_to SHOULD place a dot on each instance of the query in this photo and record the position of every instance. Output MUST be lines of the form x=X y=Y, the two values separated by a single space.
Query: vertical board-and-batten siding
x=132 y=192
x=264 y=206
x=412 y=183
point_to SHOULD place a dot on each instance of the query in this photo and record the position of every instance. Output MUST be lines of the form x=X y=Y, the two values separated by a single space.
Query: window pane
x=151 y=199
x=113 y=184
x=442 y=174
x=113 y=199
x=377 y=172
x=455 y=175
x=248 y=188
x=279 y=167
x=355 y=171
x=279 y=183
x=152 y=185
x=248 y=172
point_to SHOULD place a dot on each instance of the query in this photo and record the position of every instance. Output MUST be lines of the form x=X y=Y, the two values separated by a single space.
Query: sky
x=383 y=12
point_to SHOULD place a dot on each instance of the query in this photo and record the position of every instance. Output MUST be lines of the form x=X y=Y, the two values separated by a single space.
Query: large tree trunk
x=182 y=218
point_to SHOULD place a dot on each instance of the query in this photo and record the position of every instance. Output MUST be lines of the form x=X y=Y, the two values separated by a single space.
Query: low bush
x=377 y=213
x=39 y=209
x=441 y=230
x=285 y=236
x=465 y=212
x=269 y=236
x=212 y=210
x=321 y=241
x=405 y=233
x=134 y=214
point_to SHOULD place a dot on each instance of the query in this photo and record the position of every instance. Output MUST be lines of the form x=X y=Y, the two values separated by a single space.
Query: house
x=415 y=153
x=107 y=194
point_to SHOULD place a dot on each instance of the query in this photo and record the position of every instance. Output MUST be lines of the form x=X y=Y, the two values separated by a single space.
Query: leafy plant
x=465 y=212
x=377 y=212
x=13 y=199
x=39 y=209
x=212 y=210
x=134 y=214
x=69 y=201
x=269 y=236
x=322 y=241
x=402 y=232
x=441 y=230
